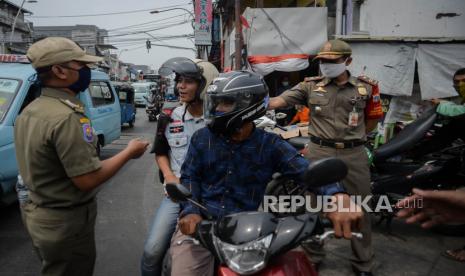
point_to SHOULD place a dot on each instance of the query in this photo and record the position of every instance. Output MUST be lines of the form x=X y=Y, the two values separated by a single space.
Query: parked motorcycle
x=418 y=156
x=261 y=243
x=154 y=104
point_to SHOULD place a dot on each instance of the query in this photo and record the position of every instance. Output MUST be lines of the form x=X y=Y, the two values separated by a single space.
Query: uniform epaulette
x=316 y=78
x=368 y=80
x=75 y=107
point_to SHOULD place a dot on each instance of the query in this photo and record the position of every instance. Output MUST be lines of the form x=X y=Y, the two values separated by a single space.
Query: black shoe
x=363 y=273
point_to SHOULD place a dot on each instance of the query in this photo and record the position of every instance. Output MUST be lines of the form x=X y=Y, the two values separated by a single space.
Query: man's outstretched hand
x=433 y=207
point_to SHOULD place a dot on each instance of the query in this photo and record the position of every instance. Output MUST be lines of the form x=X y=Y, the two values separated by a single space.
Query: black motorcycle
x=425 y=154
x=260 y=242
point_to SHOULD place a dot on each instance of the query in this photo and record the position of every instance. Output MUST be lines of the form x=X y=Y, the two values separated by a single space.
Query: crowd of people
x=208 y=144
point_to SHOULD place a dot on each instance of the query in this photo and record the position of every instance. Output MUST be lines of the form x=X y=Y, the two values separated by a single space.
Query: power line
x=146 y=23
x=111 y=13
x=150 y=27
x=147 y=30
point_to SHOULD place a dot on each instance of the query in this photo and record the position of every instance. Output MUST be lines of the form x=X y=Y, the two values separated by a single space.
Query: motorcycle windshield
x=245 y=227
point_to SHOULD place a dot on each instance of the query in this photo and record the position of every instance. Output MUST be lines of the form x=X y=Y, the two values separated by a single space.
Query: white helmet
x=198 y=69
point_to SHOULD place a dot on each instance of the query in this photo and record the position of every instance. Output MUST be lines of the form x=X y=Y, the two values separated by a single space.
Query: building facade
x=19 y=42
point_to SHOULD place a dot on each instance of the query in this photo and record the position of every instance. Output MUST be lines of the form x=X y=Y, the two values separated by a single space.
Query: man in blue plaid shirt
x=229 y=164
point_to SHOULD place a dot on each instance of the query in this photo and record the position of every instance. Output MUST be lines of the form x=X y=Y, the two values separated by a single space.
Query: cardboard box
x=290 y=133
x=303 y=131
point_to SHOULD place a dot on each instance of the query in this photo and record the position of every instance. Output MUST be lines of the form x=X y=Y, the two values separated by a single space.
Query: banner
x=203 y=22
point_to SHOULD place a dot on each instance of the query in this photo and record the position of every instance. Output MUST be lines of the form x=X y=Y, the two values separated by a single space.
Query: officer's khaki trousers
x=63 y=238
x=357 y=182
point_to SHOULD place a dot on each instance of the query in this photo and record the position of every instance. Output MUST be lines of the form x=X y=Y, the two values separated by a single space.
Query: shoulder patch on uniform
x=88 y=133
x=368 y=80
x=73 y=106
x=315 y=78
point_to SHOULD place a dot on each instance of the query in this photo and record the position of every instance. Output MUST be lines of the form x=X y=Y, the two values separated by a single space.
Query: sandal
x=455 y=254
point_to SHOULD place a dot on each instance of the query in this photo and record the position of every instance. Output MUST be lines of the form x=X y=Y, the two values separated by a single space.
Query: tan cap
x=334 y=49
x=57 y=50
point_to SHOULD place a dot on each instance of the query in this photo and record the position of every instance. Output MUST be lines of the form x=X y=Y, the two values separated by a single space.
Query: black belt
x=337 y=145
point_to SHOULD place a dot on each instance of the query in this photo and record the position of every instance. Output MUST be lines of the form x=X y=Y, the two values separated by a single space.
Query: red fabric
x=374 y=110
x=244 y=22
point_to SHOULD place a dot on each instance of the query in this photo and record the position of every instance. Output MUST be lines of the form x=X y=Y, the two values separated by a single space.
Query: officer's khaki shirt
x=54 y=142
x=330 y=106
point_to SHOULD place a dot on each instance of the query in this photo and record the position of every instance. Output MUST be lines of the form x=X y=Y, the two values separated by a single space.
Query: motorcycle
x=262 y=243
x=416 y=157
x=154 y=105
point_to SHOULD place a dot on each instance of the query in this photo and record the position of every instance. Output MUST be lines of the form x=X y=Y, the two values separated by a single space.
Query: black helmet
x=234 y=98
x=202 y=71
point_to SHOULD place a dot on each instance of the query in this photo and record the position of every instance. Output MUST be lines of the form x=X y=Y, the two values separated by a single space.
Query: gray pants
x=188 y=258
x=357 y=182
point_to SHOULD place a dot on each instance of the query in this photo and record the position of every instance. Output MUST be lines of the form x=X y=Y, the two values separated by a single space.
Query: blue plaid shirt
x=229 y=177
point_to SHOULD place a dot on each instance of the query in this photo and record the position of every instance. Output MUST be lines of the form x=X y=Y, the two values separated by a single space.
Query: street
x=127 y=202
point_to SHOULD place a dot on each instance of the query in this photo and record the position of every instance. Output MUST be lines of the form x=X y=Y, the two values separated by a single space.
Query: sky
x=45 y=13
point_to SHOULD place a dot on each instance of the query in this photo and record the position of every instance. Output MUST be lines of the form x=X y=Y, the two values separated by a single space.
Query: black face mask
x=83 y=81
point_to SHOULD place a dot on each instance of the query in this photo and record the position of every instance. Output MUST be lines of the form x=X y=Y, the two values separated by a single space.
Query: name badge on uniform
x=353 y=118
x=176 y=129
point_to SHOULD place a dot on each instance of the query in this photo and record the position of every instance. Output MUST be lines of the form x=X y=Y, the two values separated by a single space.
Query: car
x=18 y=88
x=142 y=89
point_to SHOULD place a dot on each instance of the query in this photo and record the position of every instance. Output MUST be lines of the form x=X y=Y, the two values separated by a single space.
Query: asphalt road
x=127 y=203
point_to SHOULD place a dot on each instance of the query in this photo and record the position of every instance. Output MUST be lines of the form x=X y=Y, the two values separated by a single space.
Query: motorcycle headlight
x=246 y=258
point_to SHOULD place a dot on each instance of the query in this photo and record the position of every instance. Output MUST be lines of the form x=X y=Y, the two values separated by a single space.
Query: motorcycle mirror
x=177 y=192
x=324 y=172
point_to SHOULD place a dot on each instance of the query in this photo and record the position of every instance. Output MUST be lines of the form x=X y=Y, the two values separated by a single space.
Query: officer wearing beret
x=344 y=108
x=57 y=159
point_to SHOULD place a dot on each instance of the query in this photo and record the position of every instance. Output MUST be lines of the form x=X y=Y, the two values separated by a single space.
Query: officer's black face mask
x=83 y=81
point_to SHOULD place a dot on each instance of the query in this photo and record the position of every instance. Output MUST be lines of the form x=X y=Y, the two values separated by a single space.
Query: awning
x=393 y=65
x=283 y=39
x=437 y=64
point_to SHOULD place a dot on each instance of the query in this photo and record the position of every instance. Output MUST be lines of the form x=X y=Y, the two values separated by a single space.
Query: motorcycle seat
x=298 y=142
x=407 y=137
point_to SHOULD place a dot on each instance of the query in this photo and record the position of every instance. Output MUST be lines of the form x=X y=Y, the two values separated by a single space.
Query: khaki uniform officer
x=57 y=159
x=344 y=108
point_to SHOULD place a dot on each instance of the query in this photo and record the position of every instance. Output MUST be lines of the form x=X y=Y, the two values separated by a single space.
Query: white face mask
x=332 y=70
